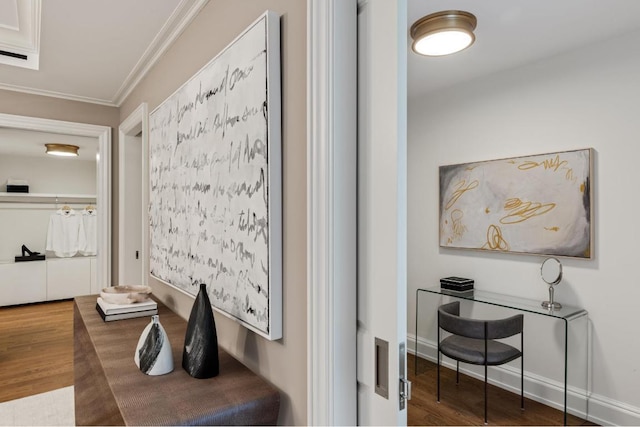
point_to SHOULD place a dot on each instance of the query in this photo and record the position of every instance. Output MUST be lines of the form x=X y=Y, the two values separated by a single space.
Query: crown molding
x=53 y=94
x=186 y=11
x=182 y=16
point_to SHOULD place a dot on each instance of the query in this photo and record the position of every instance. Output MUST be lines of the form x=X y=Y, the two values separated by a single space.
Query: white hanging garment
x=90 y=224
x=66 y=233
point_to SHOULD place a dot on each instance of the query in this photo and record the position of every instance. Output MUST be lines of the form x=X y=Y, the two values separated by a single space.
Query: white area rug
x=54 y=408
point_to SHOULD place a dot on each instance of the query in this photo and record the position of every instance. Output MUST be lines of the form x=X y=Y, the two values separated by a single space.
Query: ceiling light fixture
x=443 y=33
x=62 y=149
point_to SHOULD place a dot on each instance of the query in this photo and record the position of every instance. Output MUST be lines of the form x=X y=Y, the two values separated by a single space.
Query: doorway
x=103 y=179
x=133 y=263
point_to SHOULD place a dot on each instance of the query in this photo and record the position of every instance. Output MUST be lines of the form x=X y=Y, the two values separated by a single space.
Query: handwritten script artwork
x=215 y=181
x=535 y=204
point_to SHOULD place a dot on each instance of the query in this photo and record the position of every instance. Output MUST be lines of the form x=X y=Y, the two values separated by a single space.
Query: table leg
x=415 y=354
x=566 y=366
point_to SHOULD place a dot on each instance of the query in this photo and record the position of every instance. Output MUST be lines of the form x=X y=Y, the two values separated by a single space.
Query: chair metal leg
x=486 y=355
x=438 y=338
x=522 y=382
x=457 y=372
x=521 y=371
x=485 y=394
x=438 y=398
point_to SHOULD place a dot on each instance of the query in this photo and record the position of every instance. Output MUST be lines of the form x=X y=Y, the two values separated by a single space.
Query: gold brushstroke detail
x=461 y=188
x=520 y=211
x=555 y=164
x=495 y=240
x=487 y=210
x=556 y=228
x=552 y=163
x=457 y=226
x=583 y=187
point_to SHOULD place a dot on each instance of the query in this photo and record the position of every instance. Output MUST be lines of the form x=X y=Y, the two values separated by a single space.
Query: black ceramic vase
x=200 y=354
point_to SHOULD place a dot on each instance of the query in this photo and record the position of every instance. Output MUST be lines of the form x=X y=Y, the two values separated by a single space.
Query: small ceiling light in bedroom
x=62 y=149
x=443 y=33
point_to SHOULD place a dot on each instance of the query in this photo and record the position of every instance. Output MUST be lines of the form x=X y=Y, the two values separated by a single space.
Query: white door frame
x=331 y=212
x=138 y=121
x=103 y=187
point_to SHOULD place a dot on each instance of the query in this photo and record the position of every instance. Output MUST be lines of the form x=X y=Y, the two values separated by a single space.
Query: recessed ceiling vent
x=20 y=33
x=14 y=55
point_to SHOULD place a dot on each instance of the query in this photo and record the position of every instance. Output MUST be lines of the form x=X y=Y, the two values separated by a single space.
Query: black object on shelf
x=459 y=284
x=17 y=188
x=200 y=353
x=28 y=255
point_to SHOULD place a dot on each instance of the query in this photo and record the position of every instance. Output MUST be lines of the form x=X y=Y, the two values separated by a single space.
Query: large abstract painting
x=215 y=182
x=537 y=204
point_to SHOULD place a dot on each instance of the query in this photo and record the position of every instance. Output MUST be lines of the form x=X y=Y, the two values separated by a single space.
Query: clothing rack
x=48 y=198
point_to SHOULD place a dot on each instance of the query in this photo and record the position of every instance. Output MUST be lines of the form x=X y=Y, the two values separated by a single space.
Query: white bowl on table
x=125 y=294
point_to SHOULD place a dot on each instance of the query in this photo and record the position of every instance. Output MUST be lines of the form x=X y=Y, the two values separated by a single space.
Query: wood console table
x=111 y=390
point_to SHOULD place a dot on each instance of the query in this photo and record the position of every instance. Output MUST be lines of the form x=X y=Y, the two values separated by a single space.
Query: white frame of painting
x=274 y=170
x=446 y=225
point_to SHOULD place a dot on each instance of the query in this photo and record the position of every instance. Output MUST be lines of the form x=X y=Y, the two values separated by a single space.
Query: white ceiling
x=511 y=33
x=89 y=50
x=97 y=50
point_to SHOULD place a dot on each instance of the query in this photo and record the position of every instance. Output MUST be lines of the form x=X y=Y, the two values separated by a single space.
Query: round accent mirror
x=551 y=272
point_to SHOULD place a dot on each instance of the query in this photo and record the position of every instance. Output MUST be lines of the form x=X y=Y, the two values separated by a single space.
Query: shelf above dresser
x=47 y=198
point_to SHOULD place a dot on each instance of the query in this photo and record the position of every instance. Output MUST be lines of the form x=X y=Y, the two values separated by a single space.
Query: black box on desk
x=459 y=284
x=17 y=188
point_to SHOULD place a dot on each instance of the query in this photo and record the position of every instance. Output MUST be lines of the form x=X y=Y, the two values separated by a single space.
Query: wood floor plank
x=36 y=349
x=463 y=404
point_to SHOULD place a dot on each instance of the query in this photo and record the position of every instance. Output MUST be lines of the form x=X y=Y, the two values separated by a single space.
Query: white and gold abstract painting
x=538 y=204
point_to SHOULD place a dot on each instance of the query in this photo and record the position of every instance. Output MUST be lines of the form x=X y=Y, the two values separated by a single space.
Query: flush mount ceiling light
x=62 y=149
x=443 y=33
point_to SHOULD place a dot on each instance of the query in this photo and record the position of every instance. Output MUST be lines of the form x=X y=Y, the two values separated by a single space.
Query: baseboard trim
x=605 y=411
x=592 y=407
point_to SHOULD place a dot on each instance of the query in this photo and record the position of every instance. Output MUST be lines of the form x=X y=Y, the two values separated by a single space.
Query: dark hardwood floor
x=463 y=404
x=36 y=349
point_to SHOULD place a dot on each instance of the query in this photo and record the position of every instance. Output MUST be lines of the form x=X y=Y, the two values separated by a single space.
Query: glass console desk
x=566 y=314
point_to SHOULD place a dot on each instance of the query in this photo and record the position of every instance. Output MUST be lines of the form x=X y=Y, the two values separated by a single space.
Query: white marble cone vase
x=200 y=354
x=153 y=353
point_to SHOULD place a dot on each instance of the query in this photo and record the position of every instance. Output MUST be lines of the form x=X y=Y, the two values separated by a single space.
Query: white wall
x=584 y=98
x=66 y=175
